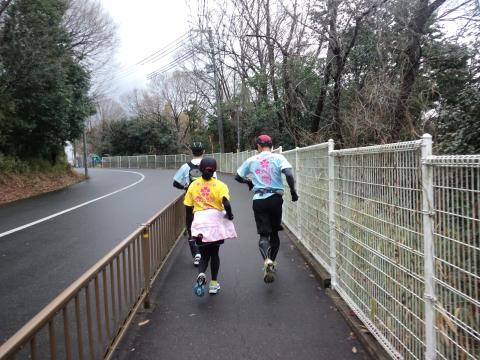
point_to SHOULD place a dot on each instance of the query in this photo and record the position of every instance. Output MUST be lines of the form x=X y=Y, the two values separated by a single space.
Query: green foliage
x=9 y=164
x=44 y=97
x=459 y=124
x=139 y=136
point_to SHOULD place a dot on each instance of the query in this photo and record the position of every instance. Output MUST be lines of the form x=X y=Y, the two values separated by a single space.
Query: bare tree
x=422 y=11
x=93 y=40
x=3 y=5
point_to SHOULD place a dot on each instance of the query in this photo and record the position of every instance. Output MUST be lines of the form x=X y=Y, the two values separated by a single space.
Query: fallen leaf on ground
x=354 y=350
x=143 y=322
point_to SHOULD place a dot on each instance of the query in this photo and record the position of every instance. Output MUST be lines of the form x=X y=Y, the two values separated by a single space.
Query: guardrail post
x=429 y=262
x=331 y=214
x=299 y=225
x=146 y=265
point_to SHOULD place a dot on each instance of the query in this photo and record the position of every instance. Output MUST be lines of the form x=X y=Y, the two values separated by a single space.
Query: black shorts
x=199 y=242
x=268 y=214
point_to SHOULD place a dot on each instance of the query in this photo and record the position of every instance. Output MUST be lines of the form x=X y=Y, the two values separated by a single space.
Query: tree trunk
x=315 y=126
x=411 y=63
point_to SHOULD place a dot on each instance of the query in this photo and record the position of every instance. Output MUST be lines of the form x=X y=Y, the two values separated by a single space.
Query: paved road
x=290 y=319
x=38 y=262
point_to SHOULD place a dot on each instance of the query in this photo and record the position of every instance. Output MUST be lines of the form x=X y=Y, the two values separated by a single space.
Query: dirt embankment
x=15 y=187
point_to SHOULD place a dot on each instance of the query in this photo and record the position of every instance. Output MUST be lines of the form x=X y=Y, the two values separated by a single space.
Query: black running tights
x=209 y=252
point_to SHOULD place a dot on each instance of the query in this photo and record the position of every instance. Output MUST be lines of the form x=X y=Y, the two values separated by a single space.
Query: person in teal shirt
x=263 y=174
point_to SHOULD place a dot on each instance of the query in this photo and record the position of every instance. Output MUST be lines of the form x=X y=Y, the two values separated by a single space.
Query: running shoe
x=199 y=288
x=214 y=288
x=196 y=259
x=268 y=271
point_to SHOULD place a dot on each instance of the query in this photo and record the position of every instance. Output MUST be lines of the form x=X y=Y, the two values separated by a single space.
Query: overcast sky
x=144 y=27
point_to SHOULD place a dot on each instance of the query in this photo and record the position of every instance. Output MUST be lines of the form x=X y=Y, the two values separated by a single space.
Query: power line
x=179 y=39
x=171 y=65
x=155 y=56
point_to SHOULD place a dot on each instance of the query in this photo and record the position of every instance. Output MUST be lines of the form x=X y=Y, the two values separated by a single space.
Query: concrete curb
x=371 y=345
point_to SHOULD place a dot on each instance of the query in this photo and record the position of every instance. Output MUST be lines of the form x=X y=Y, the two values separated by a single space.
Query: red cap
x=264 y=140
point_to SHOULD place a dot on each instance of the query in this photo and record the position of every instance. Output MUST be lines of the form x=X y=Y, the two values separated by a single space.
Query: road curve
x=48 y=241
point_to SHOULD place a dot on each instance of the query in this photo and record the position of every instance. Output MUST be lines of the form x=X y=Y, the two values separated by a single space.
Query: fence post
x=331 y=214
x=299 y=225
x=146 y=265
x=429 y=262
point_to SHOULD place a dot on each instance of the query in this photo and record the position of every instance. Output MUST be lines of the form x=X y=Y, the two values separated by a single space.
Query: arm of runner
x=291 y=183
x=242 y=172
x=178 y=185
x=228 y=208
x=181 y=177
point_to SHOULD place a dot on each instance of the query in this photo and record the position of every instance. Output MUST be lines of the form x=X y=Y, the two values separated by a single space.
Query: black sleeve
x=290 y=179
x=244 y=181
x=227 y=206
x=178 y=185
x=240 y=179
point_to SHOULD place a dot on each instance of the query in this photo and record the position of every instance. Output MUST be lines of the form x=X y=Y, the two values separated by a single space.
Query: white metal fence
x=397 y=229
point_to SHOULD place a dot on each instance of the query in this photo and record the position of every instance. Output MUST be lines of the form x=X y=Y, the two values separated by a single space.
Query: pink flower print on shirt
x=267 y=179
x=205 y=191
x=264 y=163
x=258 y=171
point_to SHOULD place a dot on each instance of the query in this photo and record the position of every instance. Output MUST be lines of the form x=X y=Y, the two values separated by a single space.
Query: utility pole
x=237 y=116
x=85 y=151
x=217 y=93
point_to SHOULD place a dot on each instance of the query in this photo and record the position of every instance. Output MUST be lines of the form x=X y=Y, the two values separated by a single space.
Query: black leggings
x=188 y=223
x=269 y=245
x=209 y=252
x=268 y=217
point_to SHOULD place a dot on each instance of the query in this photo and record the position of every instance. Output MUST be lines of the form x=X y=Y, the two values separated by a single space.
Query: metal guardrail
x=398 y=230
x=88 y=319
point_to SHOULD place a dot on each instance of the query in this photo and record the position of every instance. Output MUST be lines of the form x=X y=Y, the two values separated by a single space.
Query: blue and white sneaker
x=199 y=288
x=214 y=288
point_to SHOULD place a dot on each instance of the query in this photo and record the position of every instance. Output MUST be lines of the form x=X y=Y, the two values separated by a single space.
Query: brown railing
x=88 y=319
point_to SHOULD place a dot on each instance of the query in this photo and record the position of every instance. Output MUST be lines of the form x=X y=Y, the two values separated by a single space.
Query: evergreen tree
x=44 y=90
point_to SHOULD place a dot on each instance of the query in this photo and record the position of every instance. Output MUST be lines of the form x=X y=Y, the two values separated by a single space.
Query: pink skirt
x=212 y=225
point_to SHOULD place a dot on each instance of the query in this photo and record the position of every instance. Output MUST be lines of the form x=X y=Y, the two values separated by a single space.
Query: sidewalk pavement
x=291 y=318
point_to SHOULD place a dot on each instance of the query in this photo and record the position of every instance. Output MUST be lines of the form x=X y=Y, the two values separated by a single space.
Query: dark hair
x=197 y=149
x=208 y=166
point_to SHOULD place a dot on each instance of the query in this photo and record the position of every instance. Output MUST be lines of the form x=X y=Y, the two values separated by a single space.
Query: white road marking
x=75 y=207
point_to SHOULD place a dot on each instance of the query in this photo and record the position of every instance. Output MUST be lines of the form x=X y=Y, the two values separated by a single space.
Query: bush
x=13 y=165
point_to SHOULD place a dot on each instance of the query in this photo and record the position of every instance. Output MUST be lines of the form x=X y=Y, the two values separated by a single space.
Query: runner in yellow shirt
x=212 y=222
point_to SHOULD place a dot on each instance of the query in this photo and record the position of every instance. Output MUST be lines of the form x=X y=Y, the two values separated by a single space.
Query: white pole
x=331 y=214
x=429 y=263
x=299 y=225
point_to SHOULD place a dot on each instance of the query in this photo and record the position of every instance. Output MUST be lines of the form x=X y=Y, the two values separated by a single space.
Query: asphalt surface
x=290 y=319
x=38 y=262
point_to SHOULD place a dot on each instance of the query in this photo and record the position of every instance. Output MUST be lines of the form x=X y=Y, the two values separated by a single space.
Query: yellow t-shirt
x=203 y=194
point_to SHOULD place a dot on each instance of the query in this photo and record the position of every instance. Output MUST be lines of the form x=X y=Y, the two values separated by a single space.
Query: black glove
x=294 y=195
x=250 y=185
x=229 y=216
